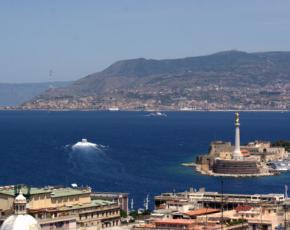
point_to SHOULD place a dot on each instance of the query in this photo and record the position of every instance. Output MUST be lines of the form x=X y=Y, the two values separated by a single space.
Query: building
x=256 y=211
x=20 y=220
x=265 y=217
x=203 y=199
x=175 y=224
x=120 y=198
x=237 y=165
x=59 y=223
x=193 y=214
x=188 y=224
x=64 y=206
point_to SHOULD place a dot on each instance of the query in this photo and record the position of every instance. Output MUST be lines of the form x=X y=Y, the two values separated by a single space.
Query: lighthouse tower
x=237 y=155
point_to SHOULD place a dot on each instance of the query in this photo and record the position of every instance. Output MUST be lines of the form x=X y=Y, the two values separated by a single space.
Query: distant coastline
x=8 y=108
x=151 y=110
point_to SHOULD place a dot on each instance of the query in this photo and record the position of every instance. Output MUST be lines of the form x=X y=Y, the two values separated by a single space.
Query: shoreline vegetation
x=282 y=143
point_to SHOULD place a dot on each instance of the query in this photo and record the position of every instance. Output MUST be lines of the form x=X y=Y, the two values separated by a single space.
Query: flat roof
x=94 y=203
x=33 y=191
x=201 y=211
x=67 y=192
x=174 y=221
x=54 y=192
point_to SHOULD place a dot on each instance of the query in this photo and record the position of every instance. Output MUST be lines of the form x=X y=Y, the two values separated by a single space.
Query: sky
x=61 y=40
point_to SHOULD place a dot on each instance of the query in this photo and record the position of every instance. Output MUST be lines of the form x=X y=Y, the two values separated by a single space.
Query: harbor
x=257 y=158
x=163 y=177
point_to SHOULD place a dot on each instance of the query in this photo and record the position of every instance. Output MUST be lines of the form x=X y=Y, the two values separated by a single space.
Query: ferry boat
x=84 y=144
x=114 y=109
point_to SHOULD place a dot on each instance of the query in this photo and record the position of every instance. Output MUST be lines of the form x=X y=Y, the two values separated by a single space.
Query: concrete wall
x=235 y=167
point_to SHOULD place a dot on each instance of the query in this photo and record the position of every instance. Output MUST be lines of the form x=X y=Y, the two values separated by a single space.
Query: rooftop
x=94 y=203
x=53 y=191
x=68 y=192
x=243 y=208
x=201 y=211
x=174 y=221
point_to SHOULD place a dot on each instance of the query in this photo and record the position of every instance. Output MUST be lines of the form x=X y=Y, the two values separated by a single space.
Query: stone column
x=237 y=155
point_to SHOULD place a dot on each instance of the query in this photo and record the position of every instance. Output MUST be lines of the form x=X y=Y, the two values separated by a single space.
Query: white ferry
x=114 y=109
x=84 y=144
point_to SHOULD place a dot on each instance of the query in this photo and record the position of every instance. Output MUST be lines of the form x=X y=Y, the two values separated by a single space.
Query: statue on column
x=237 y=118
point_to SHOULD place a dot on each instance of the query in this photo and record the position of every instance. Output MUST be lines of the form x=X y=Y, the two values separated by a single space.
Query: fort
x=253 y=159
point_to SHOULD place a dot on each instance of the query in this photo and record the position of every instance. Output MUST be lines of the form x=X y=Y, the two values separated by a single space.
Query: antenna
x=146 y=202
x=222 y=204
x=132 y=204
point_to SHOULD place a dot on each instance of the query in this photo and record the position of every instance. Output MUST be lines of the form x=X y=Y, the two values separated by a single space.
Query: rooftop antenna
x=132 y=204
x=146 y=202
x=222 y=204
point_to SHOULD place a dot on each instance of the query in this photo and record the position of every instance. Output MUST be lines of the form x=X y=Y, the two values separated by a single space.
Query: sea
x=137 y=154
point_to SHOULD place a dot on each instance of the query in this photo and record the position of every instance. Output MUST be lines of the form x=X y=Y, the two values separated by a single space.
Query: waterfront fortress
x=236 y=165
x=250 y=160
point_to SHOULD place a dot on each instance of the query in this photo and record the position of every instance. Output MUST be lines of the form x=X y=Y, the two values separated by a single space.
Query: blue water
x=140 y=155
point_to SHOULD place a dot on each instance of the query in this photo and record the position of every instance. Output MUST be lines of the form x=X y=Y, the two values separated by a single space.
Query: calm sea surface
x=137 y=154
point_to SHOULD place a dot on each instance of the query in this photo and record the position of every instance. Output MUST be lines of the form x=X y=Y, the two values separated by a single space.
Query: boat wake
x=89 y=162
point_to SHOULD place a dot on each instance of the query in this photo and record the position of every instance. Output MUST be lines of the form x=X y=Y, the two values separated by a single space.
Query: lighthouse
x=237 y=155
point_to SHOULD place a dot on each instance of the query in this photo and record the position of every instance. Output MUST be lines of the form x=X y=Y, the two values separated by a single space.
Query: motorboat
x=114 y=109
x=84 y=144
x=157 y=114
x=279 y=166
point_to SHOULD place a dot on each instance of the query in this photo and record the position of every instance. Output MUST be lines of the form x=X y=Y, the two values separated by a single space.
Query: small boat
x=157 y=114
x=114 y=109
x=279 y=166
x=84 y=144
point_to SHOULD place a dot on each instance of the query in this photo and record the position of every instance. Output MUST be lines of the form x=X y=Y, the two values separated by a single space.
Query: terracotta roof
x=174 y=221
x=201 y=211
x=149 y=226
x=243 y=208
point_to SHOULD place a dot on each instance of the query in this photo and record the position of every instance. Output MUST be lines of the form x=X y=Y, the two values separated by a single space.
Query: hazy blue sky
x=76 y=38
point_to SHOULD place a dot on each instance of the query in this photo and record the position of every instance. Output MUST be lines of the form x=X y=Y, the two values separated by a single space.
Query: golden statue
x=237 y=118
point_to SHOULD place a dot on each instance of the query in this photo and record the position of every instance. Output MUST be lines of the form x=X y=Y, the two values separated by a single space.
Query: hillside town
x=213 y=96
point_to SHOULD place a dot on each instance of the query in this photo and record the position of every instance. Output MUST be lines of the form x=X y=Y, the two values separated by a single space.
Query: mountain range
x=224 y=80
